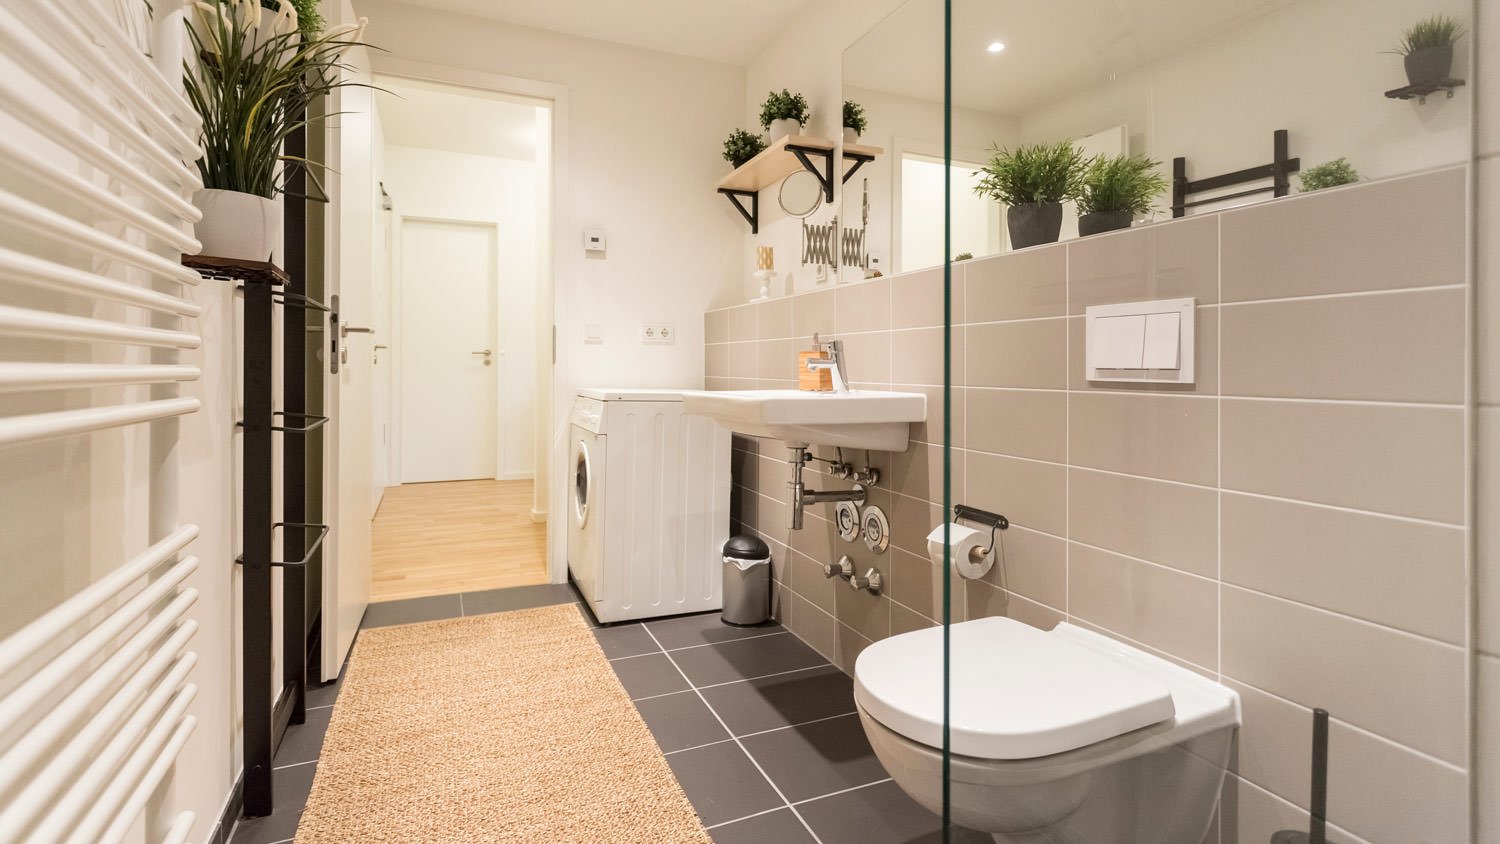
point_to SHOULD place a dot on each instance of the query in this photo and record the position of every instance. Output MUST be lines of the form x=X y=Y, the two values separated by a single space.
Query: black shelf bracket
x=751 y=215
x=824 y=173
x=1420 y=92
x=860 y=159
x=1279 y=171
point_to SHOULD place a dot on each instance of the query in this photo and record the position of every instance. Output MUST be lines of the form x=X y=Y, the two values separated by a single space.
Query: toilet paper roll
x=966 y=542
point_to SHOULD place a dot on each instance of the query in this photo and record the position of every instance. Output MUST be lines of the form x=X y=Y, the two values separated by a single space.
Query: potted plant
x=1115 y=190
x=1329 y=174
x=1427 y=48
x=854 y=121
x=783 y=114
x=250 y=76
x=741 y=146
x=1033 y=181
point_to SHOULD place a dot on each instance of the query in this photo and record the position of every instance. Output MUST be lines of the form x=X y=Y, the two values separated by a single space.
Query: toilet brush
x=1318 y=801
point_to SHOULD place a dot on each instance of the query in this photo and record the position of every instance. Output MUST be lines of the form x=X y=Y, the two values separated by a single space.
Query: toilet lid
x=1018 y=692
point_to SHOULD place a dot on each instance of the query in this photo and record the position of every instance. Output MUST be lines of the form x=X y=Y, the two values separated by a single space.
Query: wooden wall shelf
x=783 y=158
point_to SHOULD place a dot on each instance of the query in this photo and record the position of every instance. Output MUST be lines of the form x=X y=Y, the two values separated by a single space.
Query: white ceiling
x=731 y=31
x=421 y=114
x=1051 y=48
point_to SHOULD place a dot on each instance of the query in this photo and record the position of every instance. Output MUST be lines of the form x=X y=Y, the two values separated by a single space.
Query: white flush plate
x=1142 y=342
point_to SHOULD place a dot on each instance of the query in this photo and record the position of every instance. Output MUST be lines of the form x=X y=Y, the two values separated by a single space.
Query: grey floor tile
x=644 y=676
x=304 y=742
x=324 y=694
x=518 y=598
x=722 y=783
x=289 y=790
x=680 y=721
x=703 y=629
x=816 y=759
x=783 y=700
x=745 y=659
x=411 y=611
x=779 y=827
x=880 y=814
x=625 y=640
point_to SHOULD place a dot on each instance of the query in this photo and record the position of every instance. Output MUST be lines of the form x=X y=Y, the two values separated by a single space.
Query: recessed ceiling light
x=995 y=46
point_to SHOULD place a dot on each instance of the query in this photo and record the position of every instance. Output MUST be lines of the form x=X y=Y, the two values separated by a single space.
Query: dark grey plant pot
x=1095 y=222
x=1429 y=66
x=1032 y=223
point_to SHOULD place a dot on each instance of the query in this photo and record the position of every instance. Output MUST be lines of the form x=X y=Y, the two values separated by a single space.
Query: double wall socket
x=658 y=333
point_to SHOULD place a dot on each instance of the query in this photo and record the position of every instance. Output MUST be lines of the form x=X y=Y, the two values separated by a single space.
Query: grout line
x=1349 y=294
x=298 y=764
x=324 y=706
x=737 y=742
x=843 y=791
x=732 y=737
x=745 y=818
x=1420 y=637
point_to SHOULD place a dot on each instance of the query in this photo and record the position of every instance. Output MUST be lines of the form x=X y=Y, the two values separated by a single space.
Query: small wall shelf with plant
x=780 y=159
x=1426 y=51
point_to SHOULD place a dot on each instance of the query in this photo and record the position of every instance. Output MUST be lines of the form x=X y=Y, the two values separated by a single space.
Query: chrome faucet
x=834 y=362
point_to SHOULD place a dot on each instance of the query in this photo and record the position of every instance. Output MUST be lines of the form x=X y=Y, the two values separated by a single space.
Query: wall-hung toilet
x=1057 y=737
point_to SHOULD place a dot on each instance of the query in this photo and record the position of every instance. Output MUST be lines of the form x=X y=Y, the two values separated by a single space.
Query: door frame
x=398 y=334
x=554 y=398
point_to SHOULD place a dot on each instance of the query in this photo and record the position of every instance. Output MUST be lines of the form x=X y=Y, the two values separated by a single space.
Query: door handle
x=346 y=330
x=487 y=355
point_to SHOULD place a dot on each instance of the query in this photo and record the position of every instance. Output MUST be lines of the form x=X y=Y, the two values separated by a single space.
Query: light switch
x=1162 y=341
x=1119 y=342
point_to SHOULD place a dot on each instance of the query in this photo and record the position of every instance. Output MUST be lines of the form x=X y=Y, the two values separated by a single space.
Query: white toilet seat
x=1023 y=693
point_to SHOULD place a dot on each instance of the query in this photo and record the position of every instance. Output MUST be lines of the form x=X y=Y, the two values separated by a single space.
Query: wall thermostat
x=593 y=240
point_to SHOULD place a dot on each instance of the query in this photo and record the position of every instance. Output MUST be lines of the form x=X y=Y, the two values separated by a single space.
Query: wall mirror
x=1206 y=81
x=800 y=194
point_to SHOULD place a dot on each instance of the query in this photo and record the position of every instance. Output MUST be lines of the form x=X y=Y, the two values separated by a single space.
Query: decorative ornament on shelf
x=1426 y=50
x=1033 y=181
x=1329 y=174
x=783 y=114
x=765 y=269
x=741 y=146
x=253 y=69
x=854 y=121
x=1115 y=190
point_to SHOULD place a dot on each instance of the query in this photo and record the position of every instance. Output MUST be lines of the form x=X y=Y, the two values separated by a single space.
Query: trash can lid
x=744 y=547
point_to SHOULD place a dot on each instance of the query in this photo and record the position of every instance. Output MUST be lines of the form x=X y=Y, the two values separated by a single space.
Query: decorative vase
x=850 y=136
x=1103 y=221
x=1031 y=223
x=784 y=127
x=241 y=226
x=1429 y=66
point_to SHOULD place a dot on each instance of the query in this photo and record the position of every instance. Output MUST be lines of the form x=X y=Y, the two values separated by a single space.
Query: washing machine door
x=583 y=483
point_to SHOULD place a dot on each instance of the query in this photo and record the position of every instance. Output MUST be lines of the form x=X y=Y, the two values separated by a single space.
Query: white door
x=448 y=352
x=351 y=231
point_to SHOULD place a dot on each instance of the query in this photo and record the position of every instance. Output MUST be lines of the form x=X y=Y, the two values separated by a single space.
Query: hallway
x=457 y=536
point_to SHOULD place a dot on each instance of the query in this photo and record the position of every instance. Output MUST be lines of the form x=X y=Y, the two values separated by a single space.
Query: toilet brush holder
x=1317 y=832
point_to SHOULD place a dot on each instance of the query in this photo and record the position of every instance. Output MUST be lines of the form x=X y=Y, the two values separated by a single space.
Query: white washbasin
x=879 y=421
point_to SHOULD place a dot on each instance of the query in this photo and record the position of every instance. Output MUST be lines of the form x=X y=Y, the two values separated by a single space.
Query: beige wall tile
x=716 y=360
x=1391 y=683
x=917 y=356
x=1157 y=606
x=868 y=614
x=1390 y=571
x=1376 y=789
x=864 y=306
x=915 y=582
x=911 y=520
x=1031 y=564
x=1487 y=91
x=1487 y=744
x=918 y=473
x=817 y=628
x=1185 y=259
x=716 y=326
x=1167 y=523
x=1021 y=423
x=776 y=360
x=812 y=313
x=1487 y=271
x=1030 y=494
x=1017 y=354
x=1387 y=458
x=743 y=357
x=868 y=358
x=712 y=383
x=931 y=431
x=1205 y=361
x=904 y=620
x=1170 y=437
x=1487 y=528
x=1251 y=815
x=1404 y=232
x=1168 y=260
x=981 y=600
x=917 y=298
x=742 y=324
x=1393 y=347
x=848 y=648
x=774 y=319
x=1016 y=285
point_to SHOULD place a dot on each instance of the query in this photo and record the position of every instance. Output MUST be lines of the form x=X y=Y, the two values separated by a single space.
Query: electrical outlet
x=658 y=333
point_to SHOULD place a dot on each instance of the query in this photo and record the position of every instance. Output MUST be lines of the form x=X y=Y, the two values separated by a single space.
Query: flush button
x=1162 y=341
x=1118 y=342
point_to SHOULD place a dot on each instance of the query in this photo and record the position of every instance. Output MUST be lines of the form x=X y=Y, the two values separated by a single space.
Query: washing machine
x=648 y=504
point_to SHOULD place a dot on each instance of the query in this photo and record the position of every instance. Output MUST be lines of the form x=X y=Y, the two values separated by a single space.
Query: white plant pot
x=784 y=127
x=850 y=136
x=241 y=226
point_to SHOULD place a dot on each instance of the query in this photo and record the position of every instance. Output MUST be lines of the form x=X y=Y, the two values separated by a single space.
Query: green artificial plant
x=783 y=106
x=1121 y=183
x=1436 y=31
x=854 y=117
x=741 y=146
x=1329 y=174
x=1041 y=173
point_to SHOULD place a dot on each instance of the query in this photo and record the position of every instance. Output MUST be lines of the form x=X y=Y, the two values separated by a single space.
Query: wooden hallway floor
x=456 y=536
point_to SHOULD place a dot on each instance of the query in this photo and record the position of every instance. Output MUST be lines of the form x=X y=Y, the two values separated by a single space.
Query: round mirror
x=800 y=194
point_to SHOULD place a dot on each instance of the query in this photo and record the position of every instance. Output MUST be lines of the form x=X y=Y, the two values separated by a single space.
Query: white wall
x=456 y=186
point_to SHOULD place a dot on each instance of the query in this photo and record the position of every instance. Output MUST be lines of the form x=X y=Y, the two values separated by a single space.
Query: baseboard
x=517 y=476
x=234 y=806
x=538 y=516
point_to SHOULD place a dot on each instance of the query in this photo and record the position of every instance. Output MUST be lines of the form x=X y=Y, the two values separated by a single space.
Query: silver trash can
x=747 y=581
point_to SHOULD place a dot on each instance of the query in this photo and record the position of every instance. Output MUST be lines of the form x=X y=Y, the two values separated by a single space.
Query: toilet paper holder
x=995 y=521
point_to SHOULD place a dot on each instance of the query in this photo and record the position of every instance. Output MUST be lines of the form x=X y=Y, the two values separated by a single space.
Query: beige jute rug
x=509 y=727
